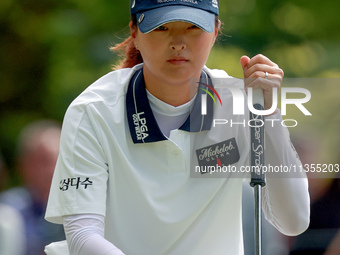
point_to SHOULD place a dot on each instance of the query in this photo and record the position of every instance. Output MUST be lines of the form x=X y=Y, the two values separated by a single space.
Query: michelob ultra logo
x=220 y=154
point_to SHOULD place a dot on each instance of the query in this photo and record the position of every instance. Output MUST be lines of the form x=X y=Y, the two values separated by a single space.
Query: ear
x=133 y=30
x=217 y=30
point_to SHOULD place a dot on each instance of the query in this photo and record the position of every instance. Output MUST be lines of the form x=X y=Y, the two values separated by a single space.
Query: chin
x=183 y=73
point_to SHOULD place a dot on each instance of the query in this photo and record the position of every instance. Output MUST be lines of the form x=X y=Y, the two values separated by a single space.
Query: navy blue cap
x=154 y=13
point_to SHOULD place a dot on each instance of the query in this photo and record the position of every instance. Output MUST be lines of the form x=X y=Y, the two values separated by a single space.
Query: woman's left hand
x=261 y=72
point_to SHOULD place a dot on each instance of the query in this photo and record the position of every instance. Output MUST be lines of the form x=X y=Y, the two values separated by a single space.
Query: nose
x=178 y=46
x=178 y=42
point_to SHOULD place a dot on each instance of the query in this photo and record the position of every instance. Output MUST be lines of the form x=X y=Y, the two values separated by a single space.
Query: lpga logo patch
x=140 y=126
x=220 y=154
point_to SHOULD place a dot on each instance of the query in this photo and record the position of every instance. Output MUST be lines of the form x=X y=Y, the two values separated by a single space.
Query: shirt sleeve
x=286 y=202
x=85 y=235
x=80 y=178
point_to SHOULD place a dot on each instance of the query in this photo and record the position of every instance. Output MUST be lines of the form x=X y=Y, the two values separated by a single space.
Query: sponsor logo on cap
x=214 y=3
x=165 y=1
x=141 y=18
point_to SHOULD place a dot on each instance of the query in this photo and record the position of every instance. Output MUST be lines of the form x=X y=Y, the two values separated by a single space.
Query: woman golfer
x=125 y=181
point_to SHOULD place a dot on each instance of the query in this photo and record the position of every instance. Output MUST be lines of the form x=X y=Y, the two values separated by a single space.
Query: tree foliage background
x=51 y=50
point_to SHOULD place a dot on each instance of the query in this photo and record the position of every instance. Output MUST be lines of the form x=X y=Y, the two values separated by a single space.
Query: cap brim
x=151 y=19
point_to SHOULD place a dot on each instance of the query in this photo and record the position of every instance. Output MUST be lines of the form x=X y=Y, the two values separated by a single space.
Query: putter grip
x=257 y=140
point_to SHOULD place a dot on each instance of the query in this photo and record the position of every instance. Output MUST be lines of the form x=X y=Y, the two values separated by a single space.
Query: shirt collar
x=142 y=123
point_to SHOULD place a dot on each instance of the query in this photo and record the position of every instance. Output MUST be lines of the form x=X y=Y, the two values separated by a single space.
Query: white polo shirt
x=115 y=161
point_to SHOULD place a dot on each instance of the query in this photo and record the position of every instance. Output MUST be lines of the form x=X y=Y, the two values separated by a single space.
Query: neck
x=173 y=93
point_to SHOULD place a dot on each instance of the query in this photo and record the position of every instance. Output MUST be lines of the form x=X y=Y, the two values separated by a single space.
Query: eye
x=161 y=28
x=193 y=27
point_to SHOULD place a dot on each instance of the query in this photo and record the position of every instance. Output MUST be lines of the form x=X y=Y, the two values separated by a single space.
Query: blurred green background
x=50 y=51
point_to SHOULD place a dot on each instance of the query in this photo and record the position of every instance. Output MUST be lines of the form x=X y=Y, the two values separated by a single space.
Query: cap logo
x=191 y=1
x=164 y=1
x=133 y=4
x=141 y=18
x=215 y=3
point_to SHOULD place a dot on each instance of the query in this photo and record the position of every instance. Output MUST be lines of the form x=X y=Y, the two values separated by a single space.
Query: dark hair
x=130 y=56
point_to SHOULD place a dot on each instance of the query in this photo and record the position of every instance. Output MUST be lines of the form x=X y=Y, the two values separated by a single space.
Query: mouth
x=178 y=61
